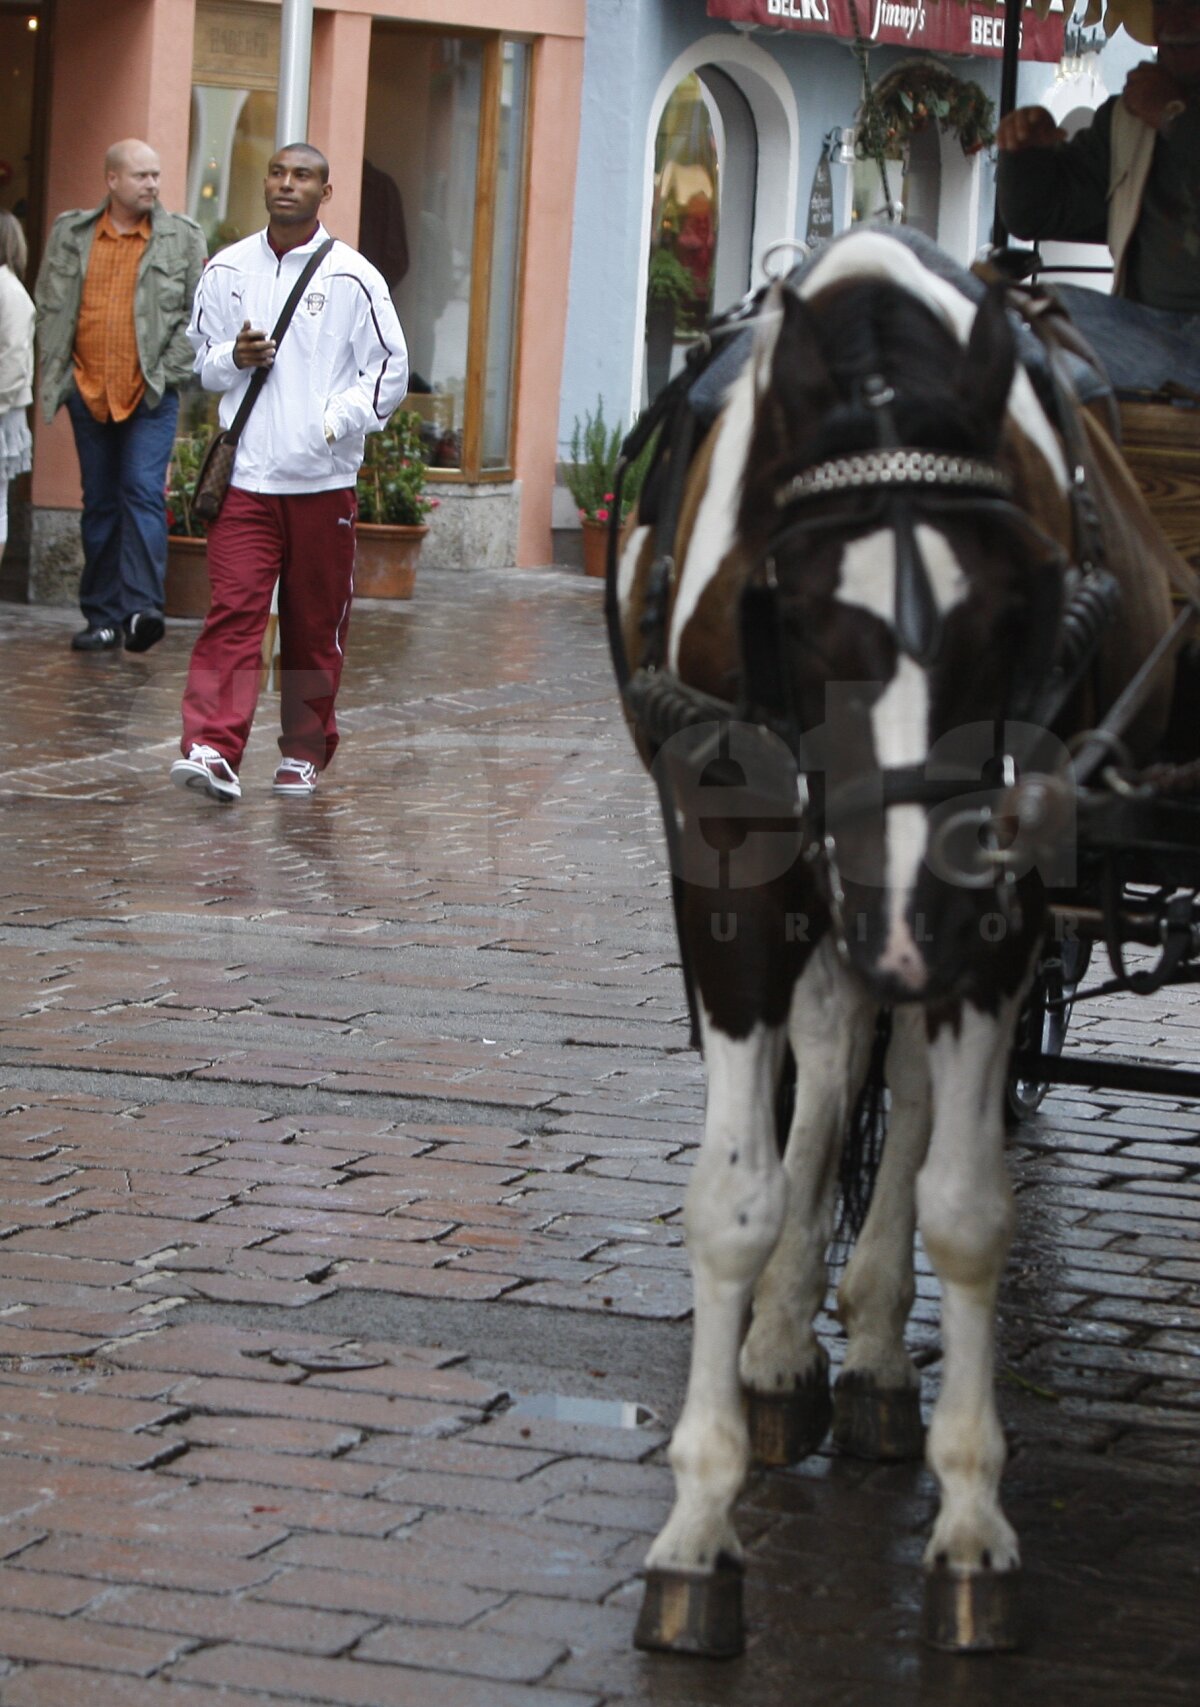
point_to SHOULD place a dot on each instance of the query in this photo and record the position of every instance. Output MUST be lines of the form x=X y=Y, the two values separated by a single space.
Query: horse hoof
x=786 y=1427
x=970 y=1611
x=882 y=1423
x=692 y=1612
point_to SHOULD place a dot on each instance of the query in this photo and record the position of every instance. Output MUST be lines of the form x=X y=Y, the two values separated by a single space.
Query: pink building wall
x=120 y=69
x=124 y=68
x=338 y=109
x=558 y=84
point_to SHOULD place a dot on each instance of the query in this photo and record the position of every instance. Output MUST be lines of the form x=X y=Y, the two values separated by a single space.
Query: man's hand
x=1152 y=95
x=252 y=348
x=1028 y=127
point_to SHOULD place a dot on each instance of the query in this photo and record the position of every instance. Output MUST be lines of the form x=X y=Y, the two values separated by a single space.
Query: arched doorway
x=934 y=125
x=721 y=183
x=705 y=168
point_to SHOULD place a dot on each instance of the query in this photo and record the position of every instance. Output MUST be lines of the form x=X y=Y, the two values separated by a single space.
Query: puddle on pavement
x=592 y=1413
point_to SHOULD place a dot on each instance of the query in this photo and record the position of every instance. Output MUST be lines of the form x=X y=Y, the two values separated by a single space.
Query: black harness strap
x=661 y=498
x=1045 y=315
x=661 y=506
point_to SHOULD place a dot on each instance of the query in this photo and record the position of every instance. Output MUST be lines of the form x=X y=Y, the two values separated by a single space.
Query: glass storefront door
x=442 y=213
x=422 y=150
x=443 y=219
x=24 y=53
x=23 y=29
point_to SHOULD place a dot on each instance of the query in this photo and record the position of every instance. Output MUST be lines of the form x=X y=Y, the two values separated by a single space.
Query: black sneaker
x=143 y=630
x=95 y=640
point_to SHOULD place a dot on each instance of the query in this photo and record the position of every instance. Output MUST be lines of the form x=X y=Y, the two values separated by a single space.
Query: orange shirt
x=107 y=370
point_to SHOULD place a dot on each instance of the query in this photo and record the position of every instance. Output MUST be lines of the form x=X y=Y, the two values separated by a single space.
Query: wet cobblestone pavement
x=342 y=1289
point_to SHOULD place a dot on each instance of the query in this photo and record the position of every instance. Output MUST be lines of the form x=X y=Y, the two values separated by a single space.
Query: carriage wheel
x=1043 y=1023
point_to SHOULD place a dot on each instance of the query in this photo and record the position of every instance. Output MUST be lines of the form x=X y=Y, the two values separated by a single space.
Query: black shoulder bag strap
x=260 y=375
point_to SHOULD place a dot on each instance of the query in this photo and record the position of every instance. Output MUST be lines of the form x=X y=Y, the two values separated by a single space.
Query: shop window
x=18 y=56
x=683 y=231
x=235 y=78
x=702 y=215
x=442 y=217
x=235 y=75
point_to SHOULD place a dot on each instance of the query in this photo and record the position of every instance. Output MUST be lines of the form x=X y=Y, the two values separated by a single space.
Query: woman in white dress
x=16 y=362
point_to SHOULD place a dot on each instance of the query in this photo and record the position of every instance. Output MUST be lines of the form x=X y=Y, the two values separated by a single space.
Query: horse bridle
x=905 y=485
x=901 y=485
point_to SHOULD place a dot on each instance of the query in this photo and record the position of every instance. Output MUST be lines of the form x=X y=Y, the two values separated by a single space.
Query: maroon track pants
x=307 y=541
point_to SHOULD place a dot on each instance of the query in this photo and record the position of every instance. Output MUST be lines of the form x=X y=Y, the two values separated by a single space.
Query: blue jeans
x=124 y=524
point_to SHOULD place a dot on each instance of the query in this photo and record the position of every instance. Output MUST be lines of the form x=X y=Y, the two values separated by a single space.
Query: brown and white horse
x=884 y=475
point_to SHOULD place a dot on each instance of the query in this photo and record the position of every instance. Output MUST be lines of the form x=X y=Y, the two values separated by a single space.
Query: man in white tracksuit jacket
x=340 y=371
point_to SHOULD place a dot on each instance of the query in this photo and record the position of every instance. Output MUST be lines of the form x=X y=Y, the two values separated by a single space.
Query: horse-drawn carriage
x=915 y=670
x=1139 y=846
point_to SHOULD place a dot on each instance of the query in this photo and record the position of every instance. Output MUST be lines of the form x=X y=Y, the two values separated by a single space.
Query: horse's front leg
x=965 y=1213
x=732 y=1215
x=784 y=1367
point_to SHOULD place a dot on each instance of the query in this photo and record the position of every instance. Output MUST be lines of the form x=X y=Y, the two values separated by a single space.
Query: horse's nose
x=902 y=962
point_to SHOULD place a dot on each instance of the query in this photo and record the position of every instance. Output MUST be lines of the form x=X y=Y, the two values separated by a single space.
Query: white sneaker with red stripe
x=295 y=776
x=206 y=769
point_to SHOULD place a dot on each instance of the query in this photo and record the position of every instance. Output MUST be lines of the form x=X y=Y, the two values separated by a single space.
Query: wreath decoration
x=911 y=95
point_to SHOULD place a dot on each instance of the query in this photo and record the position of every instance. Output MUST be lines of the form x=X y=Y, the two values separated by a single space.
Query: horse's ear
x=787 y=350
x=989 y=361
x=767 y=326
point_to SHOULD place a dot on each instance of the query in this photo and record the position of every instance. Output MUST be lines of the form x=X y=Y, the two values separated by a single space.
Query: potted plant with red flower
x=591 y=475
x=392 y=509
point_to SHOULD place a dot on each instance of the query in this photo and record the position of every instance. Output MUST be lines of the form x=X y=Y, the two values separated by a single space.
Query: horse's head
x=915 y=609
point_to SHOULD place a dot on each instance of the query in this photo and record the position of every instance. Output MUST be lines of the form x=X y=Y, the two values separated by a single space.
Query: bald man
x=114 y=296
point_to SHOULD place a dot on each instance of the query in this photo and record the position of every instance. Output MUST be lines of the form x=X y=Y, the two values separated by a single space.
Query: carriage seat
x=1161 y=447
x=1160 y=439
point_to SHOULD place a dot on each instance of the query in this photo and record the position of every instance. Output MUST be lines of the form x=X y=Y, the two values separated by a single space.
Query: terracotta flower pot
x=187 y=591
x=385 y=560
x=595 y=547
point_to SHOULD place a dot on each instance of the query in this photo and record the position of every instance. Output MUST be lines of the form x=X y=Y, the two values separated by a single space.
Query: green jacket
x=162 y=304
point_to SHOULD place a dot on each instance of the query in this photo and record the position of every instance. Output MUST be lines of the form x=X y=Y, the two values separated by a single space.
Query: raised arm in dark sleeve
x=1059 y=192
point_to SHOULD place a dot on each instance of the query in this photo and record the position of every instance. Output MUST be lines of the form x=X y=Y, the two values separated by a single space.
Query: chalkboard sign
x=820 y=203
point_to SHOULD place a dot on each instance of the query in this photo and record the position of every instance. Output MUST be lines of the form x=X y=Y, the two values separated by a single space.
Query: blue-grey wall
x=630 y=46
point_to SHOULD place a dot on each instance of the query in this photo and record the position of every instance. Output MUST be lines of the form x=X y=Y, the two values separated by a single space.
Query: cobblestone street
x=343 y=1298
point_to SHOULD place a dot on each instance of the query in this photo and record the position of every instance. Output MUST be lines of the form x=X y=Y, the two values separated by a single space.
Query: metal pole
x=1011 y=60
x=295 y=65
x=1008 y=89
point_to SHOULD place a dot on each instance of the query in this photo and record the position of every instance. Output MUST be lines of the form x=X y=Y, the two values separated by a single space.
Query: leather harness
x=901 y=485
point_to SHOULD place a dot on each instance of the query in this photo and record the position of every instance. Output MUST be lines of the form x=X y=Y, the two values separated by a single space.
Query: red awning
x=976 y=27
